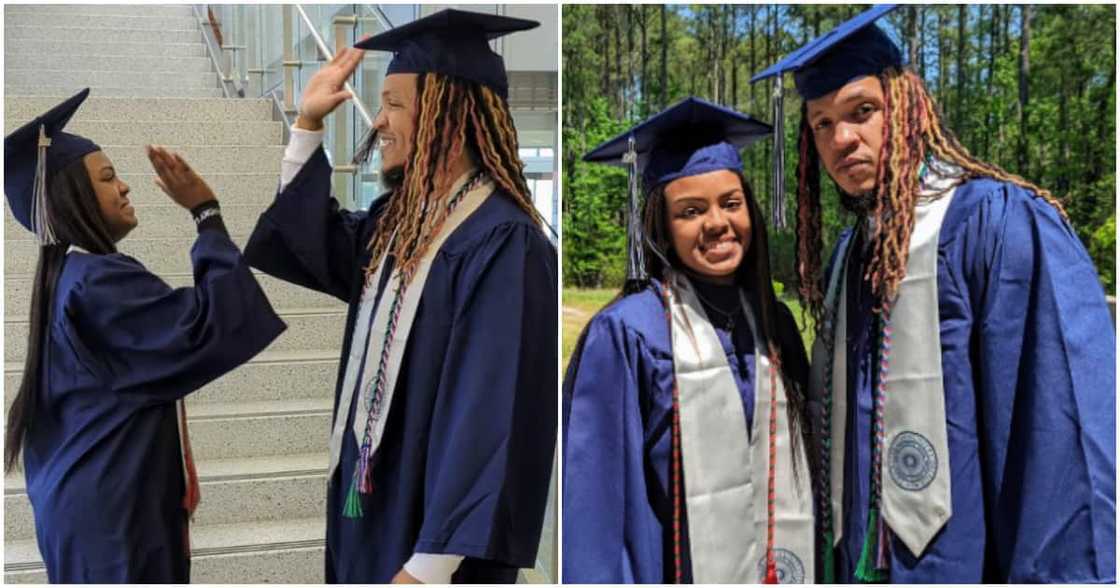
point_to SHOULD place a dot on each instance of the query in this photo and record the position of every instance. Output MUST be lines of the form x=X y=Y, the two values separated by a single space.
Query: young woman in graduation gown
x=111 y=353
x=668 y=464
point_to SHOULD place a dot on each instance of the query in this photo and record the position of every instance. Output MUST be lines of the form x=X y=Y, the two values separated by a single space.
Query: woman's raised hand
x=177 y=179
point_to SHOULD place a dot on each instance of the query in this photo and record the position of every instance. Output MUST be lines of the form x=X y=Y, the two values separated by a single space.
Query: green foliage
x=594 y=206
x=1103 y=249
x=1062 y=137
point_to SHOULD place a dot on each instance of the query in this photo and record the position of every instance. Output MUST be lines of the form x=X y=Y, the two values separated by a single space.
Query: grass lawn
x=580 y=305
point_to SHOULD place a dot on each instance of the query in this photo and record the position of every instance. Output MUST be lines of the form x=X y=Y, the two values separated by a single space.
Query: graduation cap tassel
x=353 y=507
x=777 y=198
x=882 y=556
x=365 y=472
x=636 y=263
x=365 y=147
x=866 y=570
x=829 y=575
x=40 y=219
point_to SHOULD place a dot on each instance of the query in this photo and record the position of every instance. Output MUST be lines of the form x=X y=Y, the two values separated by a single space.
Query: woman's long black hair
x=778 y=327
x=76 y=219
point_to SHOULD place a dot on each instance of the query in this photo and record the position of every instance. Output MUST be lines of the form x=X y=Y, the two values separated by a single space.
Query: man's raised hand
x=327 y=89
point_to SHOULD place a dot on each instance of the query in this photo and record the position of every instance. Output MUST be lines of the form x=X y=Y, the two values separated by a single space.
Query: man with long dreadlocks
x=445 y=413
x=964 y=363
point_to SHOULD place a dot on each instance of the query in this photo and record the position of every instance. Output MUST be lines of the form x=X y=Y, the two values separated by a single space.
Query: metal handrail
x=380 y=15
x=211 y=43
x=278 y=108
x=274 y=93
x=322 y=45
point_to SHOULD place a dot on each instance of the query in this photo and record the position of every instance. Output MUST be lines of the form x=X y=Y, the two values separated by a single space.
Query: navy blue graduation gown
x=465 y=460
x=1028 y=356
x=617 y=403
x=102 y=457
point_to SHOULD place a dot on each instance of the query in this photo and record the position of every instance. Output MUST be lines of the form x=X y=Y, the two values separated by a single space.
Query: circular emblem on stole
x=913 y=462
x=787 y=564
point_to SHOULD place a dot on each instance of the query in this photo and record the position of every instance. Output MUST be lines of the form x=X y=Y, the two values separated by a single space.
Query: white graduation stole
x=374 y=333
x=725 y=473
x=916 y=500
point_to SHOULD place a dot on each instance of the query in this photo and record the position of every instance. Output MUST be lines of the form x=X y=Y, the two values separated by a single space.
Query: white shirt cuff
x=301 y=146
x=433 y=568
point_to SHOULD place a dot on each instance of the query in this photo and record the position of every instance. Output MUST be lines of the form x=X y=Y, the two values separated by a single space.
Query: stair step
x=134 y=110
x=146 y=62
x=207 y=159
x=164 y=10
x=208 y=411
x=69 y=89
x=16 y=49
x=309 y=330
x=288 y=551
x=281 y=294
x=107 y=23
x=81 y=34
x=270 y=376
x=123 y=133
x=283 y=427
x=171 y=82
x=247 y=496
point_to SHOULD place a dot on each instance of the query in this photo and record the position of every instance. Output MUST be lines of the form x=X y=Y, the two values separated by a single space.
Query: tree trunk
x=912 y=33
x=630 y=66
x=604 y=50
x=751 y=106
x=1025 y=13
x=921 y=65
x=664 y=60
x=734 y=56
x=1063 y=134
x=993 y=36
x=962 y=80
x=621 y=105
x=643 y=22
x=1105 y=126
x=750 y=35
x=941 y=70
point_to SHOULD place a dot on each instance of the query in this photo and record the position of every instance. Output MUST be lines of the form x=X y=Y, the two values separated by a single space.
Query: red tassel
x=771 y=572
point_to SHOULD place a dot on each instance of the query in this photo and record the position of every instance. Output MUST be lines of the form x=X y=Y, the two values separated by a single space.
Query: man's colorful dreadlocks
x=913 y=129
x=453 y=115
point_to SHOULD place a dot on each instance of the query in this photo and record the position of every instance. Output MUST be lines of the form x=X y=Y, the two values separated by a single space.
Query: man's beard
x=859 y=205
x=393 y=178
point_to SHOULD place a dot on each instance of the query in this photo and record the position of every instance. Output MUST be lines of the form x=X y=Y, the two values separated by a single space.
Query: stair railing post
x=291 y=64
x=345 y=176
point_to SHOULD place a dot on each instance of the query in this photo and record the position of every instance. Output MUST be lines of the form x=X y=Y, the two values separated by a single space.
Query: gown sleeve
x=1046 y=385
x=488 y=469
x=611 y=534
x=160 y=343
x=306 y=238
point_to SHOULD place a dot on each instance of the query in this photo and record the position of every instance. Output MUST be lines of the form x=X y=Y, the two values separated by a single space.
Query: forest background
x=1029 y=88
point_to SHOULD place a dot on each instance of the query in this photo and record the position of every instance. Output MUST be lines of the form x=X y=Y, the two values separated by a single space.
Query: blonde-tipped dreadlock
x=913 y=128
x=454 y=117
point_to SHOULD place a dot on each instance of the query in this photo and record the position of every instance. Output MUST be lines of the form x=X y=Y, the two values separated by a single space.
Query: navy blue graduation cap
x=451 y=42
x=690 y=138
x=855 y=48
x=32 y=154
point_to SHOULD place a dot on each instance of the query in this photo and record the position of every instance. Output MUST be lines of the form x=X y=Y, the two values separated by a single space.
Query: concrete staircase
x=260 y=433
